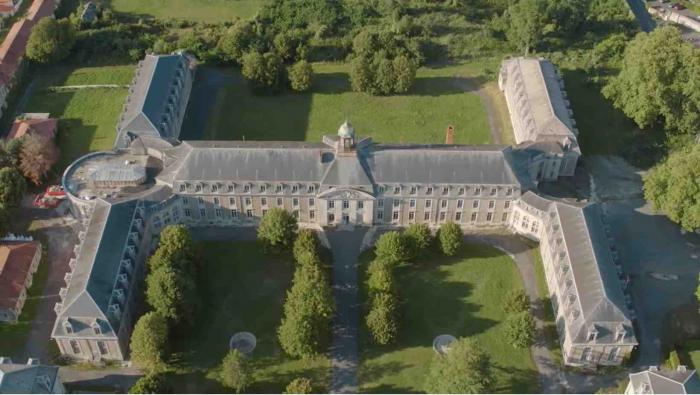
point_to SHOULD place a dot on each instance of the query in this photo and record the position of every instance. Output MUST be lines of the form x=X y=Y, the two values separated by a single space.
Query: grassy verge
x=13 y=337
x=210 y=11
x=242 y=290
x=443 y=96
x=459 y=296
x=550 y=326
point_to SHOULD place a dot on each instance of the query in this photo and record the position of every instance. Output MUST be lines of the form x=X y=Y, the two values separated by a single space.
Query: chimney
x=450 y=135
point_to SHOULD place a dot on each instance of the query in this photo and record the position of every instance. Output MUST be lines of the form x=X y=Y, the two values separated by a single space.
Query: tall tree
x=520 y=329
x=51 y=40
x=300 y=75
x=466 y=369
x=38 y=154
x=152 y=383
x=451 y=238
x=12 y=187
x=175 y=249
x=307 y=249
x=277 y=230
x=235 y=372
x=418 y=239
x=391 y=247
x=673 y=186
x=526 y=20
x=171 y=293
x=264 y=70
x=381 y=320
x=149 y=341
x=659 y=81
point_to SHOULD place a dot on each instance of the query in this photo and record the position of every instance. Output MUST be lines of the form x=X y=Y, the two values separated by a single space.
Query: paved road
x=344 y=351
x=90 y=380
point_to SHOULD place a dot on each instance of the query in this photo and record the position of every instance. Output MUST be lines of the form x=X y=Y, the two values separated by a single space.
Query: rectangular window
x=411 y=215
x=460 y=203
x=262 y=188
x=475 y=204
x=395 y=215
x=504 y=217
x=232 y=201
x=202 y=212
x=426 y=216
x=414 y=190
x=429 y=191
x=492 y=203
x=445 y=190
x=295 y=188
x=216 y=201
x=249 y=213
x=428 y=203
x=331 y=204
x=360 y=204
x=248 y=201
x=382 y=189
x=312 y=202
x=477 y=191
x=280 y=203
x=346 y=204
x=295 y=202
x=278 y=189
x=397 y=190
x=458 y=216
x=75 y=347
x=187 y=212
x=230 y=188
x=331 y=218
x=380 y=203
x=380 y=214
x=185 y=201
x=493 y=191
x=246 y=188
x=200 y=200
x=218 y=212
x=310 y=189
x=442 y=216
x=473 y=217
x=535 y=226
x=613 y=353
x=102 y=347
x=234 y=213
x=489 y=217
x=214 y=188
x=461 y=191
x=506 y=204
x=412 y=203
x=509 y=191
x=397 y=202
x=295 y=214
x=443 y=203
x=198 y=188
x=312 y=215
x=182 y=187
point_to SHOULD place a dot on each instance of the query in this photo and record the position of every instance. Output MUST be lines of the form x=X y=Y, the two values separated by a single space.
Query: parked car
x=678 y=6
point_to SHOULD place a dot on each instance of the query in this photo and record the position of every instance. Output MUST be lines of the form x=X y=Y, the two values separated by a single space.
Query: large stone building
x=127 y=196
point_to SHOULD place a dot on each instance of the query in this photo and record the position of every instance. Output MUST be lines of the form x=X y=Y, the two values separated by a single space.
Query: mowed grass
x=242 y=290
x=223 y=102
x=460 y=296
x=87 y=117
x=211 y=11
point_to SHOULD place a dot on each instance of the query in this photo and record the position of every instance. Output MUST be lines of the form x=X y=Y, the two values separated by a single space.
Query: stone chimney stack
x=450 y=135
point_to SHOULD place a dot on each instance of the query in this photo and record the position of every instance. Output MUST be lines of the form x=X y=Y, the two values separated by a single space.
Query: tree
x=51 y=40
x=418 y=239
x=659 y=82
x=381 y=319
x=300 y=75
x=236 y=41
x=380 y=277
x=526 y=20
x=361 y=75
x=300 y=385
x=12 y=187
x=385 y=80
x=152 y=383
x=404 y=73
x=465 y=369
x=451 y=238
x=235 y=373
x=516 y=301
x=307 y=249
x=567 y=15
x=171 y=293
x=175 y=250
x=277 y=230
x=37 y=156
x=264 y=70
x=9 y=154
x=391 y=247
x=520 y=329
x=149 y=341
x=673 y=187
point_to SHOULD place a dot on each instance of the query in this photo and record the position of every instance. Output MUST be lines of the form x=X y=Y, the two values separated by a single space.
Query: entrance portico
x=347 y=206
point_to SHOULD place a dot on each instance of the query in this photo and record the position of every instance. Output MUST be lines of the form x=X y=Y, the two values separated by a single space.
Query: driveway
x=92 y=380
x=344 y=350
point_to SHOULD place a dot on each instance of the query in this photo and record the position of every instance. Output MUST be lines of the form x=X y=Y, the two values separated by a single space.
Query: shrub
x=418 y=239
x=381 y=320
x=299 y=386
x=151 y=383
x=263 y=70
x=307 y=249
x=51 y=40
x=451 y=238
x=277 y=230
x=149 y=341
x=466 y=369
x=300 y=75
x=520 y=329
x=391 y=248
x=516 y=301
x=235 y=373
x=380 y=278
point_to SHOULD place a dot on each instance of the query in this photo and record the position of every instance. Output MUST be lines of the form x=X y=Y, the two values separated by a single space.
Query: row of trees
x=520 y=326
x=392 y=249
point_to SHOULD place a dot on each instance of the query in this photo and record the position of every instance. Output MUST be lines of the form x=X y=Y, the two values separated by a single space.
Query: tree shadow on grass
x=380 y=370
x=514 y=380
x=337 y=83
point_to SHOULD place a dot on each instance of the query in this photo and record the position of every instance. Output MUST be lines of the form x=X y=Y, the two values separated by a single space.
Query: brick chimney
x=450 y=135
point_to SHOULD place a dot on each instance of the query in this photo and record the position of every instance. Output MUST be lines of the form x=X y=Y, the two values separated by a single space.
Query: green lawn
x=459 y=296
x=440 y=98
x=243 y=290
x=88 y=117
x=210 y=11
x=14 y=336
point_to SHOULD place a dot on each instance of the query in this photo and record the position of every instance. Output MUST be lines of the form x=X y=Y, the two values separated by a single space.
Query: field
x=88 y=117
x=242 y=290
x=459 y=296
x=210 y=11
x=222 y=101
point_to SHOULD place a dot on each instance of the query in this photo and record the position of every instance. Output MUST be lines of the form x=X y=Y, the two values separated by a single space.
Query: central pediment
x=345 y=193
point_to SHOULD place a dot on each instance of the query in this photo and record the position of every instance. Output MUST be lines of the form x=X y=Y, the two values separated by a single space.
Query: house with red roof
x=19 y=261
x=39 y=124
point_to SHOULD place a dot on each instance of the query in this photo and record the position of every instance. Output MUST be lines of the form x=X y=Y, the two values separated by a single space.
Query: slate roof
x=148 y=97
x=97 y=267
x=25 y=379
x=665 y=381
x=310 y=162
x=15 y=264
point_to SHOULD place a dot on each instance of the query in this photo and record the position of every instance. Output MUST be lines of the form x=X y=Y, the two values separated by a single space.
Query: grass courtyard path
x=344 y=351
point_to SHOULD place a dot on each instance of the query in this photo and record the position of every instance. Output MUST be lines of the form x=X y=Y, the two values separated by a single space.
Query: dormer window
x=461 y=191
x=214 y=188
x=96 y=329
x=620 y=334
x=295 y=188
x=592 y=333
x=246 y=188
x=311 y=189
x=198 y=188
x=397 y=190
x=382 y=189
x=429 y=191
x=67 y=326
x=262 y=188
x=115 y=310
x=445 y=190
x=182 y=187
x=477 y=191
x=278 y=189
x=230 y=187
x=414 y=189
